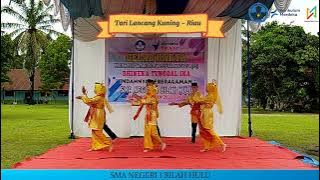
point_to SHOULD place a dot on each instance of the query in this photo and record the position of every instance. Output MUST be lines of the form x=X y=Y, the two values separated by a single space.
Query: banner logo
x=140 y=45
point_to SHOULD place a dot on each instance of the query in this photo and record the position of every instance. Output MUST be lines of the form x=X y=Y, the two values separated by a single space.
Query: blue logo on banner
x=115 y=94
x=258 y=12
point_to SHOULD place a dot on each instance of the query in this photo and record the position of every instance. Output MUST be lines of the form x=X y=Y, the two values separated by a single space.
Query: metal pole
x=249 y=80
x=72 y=82
x=3 y=95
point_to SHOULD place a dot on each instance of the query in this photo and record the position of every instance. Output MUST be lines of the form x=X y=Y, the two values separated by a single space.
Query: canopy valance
x=85 y=13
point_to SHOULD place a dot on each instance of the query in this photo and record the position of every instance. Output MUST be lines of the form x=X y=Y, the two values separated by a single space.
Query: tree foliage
x=54 y=63
x=7 y=54
x=285 y=71
x=34 y=25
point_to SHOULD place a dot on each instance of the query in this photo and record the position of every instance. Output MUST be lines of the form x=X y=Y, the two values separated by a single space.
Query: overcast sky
x=298 y=6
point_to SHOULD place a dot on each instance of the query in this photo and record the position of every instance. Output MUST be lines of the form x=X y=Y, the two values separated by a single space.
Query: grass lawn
x=31 y=130
x=295 y=131
x=28 y=131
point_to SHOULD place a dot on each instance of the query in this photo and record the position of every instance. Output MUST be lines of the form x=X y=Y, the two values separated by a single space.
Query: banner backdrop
x=174 y=63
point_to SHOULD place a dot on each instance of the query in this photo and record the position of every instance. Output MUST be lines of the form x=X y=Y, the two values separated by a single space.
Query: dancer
x=195 y=109
x=150 y=82
x=209 y=137
x=150 y=101
x=96 y=117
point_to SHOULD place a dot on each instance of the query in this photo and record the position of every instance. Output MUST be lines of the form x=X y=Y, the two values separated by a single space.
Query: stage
x=242 y=153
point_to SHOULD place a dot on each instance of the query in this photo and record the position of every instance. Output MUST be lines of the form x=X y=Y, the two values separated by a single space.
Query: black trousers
x=158 y=131
x=194 y=131
x=109 y=132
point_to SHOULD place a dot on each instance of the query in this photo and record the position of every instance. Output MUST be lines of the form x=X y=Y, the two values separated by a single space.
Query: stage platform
x=242 y=153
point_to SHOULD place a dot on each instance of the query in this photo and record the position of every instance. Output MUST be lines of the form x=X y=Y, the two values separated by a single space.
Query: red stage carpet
x=242 y=153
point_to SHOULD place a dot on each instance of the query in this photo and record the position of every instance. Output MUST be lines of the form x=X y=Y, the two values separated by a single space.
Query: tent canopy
x=222 y=8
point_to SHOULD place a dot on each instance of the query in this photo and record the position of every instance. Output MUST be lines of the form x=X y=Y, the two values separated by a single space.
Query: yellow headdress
x=99 y=89
x=212 y=90
x=152 y=90
x=212 y=87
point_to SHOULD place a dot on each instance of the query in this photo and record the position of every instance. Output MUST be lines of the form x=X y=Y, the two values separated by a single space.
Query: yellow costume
x=209 y=137
x=96 y=117
x=195 y=107
x=195 y=111
x=150 y=101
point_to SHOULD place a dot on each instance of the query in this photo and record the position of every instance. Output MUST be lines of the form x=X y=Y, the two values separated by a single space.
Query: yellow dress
x=209 y=137
x=151 y=136
x=96 y=118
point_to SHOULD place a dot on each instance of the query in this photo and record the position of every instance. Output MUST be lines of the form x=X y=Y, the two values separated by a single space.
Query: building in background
x=17 y=91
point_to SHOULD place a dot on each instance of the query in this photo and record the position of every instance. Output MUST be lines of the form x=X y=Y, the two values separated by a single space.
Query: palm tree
x=31 y=32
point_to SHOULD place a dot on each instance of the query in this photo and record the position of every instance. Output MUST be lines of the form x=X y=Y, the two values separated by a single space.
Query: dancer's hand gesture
x=172 y=104
x=79 y=97
x=136 y=96
x=84 y=91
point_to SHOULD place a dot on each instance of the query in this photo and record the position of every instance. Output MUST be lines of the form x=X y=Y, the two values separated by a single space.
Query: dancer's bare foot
x=204 y=150
x=90 y=150
x=146 y=150
x=224 y=147
x=163 y=146
x=110 y=148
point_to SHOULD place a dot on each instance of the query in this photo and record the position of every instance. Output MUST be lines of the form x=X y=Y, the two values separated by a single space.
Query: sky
x=297 y=8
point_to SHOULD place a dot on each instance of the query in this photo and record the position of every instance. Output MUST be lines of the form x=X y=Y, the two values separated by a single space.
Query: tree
x=9 y=57
x=284 y=67
x=54 y=63
x=308 y=61
x=7 y=54
x=31 y=31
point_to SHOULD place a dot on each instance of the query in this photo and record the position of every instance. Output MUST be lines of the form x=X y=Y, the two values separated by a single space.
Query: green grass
x=261 y=111
x=31 y=130
x=295 y=131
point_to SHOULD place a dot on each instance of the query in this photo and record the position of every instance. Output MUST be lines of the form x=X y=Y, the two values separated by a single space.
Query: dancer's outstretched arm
x=86 y=99
x=108 y=106
x=149 y=101
x=180 y=104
